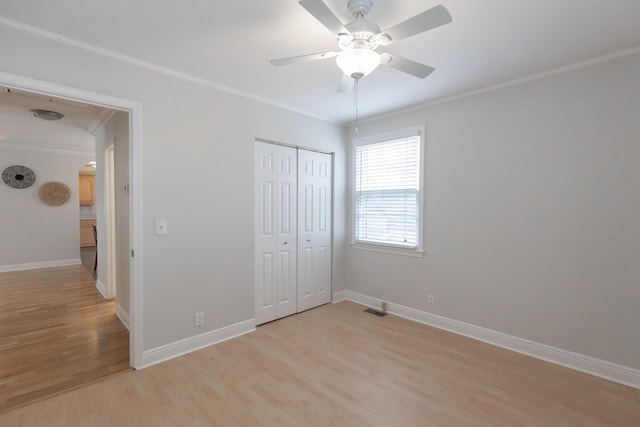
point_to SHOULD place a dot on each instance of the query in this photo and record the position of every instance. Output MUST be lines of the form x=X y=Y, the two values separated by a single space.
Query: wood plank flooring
x=56 y=333
x=338 y=366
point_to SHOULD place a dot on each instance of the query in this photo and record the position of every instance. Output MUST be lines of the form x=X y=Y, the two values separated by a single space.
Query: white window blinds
x=387 y=185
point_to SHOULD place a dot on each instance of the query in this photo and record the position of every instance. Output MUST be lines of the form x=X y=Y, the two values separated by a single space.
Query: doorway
x=133 y=189
x=57 y=332
x=88 y=235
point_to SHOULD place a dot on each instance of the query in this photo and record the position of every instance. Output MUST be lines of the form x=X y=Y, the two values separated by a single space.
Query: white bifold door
x=276 y=231
x=314 y=229
x=293 y=193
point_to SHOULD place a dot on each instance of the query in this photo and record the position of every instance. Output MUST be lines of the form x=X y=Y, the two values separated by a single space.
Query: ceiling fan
x=359 y=39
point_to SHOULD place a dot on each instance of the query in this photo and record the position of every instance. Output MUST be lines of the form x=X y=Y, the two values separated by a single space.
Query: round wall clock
x=18 y=176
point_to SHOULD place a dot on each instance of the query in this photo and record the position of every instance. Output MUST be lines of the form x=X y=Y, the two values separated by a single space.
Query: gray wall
x=116 y=132
x=532 y=224
x=32 y=232
x=532 y=200
x=197 y=172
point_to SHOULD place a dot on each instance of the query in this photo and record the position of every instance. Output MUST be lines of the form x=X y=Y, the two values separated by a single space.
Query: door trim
x=135 y=171
x=110 y=218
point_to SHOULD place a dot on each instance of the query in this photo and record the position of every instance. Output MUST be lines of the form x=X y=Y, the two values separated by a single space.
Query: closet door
x=314 y=228
x=275 y=231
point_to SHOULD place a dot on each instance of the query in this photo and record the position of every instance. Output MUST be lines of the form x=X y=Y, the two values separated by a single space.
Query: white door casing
x=110 y=220
x=275 y=231
x=314 y=228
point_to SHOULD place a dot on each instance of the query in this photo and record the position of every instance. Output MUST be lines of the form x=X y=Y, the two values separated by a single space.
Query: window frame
x=418 y=251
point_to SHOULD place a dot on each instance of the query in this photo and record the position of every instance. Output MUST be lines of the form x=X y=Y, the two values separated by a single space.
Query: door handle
x=284 y=243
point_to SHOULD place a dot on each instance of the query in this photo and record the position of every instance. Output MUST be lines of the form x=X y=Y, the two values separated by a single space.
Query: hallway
x=57 y=333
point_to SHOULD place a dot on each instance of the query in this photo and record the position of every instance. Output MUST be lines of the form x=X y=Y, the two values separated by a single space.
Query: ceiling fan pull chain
x=355 y=100
x=355 y=93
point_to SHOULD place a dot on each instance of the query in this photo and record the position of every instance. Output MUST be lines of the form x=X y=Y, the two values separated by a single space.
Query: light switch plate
x=161 y=226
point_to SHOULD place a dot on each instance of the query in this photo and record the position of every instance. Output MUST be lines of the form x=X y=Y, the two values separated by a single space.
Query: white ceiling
x=75 y=132
x=229 y=43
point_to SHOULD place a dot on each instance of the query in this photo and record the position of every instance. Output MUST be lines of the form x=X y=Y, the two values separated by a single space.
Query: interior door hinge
x=132 y=253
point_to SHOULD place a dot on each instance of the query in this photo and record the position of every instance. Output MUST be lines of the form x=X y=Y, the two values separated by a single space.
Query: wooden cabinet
x=86 y=233
x=86 y=190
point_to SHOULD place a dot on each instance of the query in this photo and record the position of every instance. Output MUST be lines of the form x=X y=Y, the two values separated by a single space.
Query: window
x=387 y=190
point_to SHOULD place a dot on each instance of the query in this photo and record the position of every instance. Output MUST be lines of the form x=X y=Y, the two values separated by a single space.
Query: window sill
x=416 y=253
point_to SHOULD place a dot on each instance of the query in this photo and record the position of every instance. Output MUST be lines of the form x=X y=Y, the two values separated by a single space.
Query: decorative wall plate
x=18 y=176
x=54 y=193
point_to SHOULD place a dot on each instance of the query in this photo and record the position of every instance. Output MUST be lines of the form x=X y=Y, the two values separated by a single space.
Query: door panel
x=266 y=282
x=314 y=236
x=267 y=209
x=275 y=225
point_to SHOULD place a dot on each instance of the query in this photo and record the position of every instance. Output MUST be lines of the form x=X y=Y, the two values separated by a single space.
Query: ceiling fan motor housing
x=363 y=34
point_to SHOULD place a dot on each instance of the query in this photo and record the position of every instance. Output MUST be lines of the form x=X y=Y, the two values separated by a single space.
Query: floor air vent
x=376 y=312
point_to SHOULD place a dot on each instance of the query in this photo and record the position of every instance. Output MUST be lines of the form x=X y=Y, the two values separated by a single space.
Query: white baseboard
x=42 y=264
x=339 y=296
x=599 y=368
x=188 y=345
x=123 y=316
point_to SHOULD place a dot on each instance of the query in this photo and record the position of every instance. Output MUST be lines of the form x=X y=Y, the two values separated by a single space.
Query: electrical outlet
x=431 y=300
x=199 y=318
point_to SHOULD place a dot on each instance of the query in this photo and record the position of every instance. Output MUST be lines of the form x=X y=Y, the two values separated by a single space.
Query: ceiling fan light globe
x=358 y=61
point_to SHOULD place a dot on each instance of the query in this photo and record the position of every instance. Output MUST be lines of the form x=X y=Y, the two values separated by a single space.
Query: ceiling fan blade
x=346 y=84
x=303 y=58
x=322 y=13
x=425 y=21
x=406 y=65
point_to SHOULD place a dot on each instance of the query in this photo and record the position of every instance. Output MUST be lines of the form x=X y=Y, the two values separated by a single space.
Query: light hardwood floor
x=56 y=333
x=338 y=366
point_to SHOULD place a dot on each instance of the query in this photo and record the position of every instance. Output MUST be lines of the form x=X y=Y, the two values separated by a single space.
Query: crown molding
x=100 y=121
x=491 y=88
x=50 y=150
x=59 y=38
